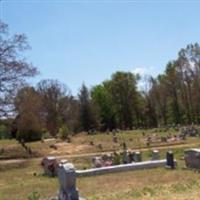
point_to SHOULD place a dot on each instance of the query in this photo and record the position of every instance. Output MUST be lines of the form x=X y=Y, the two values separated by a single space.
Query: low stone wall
x=122 y=168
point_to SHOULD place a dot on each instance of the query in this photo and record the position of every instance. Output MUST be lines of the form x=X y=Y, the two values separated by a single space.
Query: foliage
x=68 y=111
x=28 y=135
x=51 y=92
x=118 y=103
x=64 y=132
x=175 y=94
x=29 y=120
x=34 y=196
x=88 y=117
x=4 y=132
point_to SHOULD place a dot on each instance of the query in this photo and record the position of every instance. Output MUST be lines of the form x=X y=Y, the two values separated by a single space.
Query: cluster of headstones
x=190 y=131
x=124 y=157
x=167 y=138
x=67 y=175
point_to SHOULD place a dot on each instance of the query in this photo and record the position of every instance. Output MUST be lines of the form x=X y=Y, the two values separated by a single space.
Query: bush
x=34 y=196
x=29 y=128
x=64 y=132
x=29 y=135
x=4 y=132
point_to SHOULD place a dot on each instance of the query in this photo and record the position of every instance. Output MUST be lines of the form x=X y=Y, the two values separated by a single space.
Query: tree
x=188 y=70
x=123 y=90
x=29 y=118
x=103 y=100
x=175 y=93
x=68 y=109
x=88 y=115
x=14 y=69
x=51 y=92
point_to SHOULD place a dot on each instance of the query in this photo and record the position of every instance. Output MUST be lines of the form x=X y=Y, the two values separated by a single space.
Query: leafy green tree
x=123 y=89
x=88 y=113
x=103 y=100
x=175 y=93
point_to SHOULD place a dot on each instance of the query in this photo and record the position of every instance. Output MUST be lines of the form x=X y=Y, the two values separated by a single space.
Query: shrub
x=29 y=128
x=29 y=135
x=34 y=196
x=64 y=132
x=4 y=132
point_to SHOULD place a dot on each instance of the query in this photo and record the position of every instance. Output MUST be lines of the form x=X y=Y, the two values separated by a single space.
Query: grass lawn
x=160 y=183
x=81 y=144
x=17 y=182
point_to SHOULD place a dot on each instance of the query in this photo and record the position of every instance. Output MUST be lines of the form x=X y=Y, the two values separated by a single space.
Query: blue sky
x=87 y=41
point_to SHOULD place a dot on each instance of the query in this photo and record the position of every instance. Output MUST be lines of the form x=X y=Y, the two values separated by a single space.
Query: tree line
x=117 y=103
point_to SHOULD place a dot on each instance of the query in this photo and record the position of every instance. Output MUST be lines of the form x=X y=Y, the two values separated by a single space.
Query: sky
x=87 y=41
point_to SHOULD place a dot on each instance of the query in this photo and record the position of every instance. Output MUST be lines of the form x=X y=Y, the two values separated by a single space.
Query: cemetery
x=145 y=161
x=99 y=100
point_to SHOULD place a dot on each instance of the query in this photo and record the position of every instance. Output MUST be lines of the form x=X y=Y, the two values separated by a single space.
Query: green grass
x=18 y=184
x=18 y=181
x=141 y=184
x=81 y=144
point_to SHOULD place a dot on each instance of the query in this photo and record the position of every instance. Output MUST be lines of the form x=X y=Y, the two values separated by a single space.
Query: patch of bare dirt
x=69 y=148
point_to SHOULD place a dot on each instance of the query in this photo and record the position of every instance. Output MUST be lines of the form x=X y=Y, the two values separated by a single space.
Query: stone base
x=122 y=168
x=56 y=198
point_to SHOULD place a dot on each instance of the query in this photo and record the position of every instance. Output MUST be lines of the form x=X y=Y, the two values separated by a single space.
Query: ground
x=21 y=176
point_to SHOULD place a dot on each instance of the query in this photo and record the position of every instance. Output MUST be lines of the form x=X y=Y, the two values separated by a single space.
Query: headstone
x=192 y=158
x=125 y=158
x=67 y=180
x=115 y=139
x=124 y=146
x=97 y=162
x=137 y=156
x=50 y=165
x=155 y=155
x=130 y=156
x=63 y=161
x=170 y=160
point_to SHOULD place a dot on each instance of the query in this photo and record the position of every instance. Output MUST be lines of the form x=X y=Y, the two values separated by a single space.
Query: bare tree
x=29 y=116
x=51 y=91
x=14 y=69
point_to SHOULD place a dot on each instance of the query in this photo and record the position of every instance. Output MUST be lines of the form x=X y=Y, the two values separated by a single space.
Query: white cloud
x=144 y=72
x=139 y=70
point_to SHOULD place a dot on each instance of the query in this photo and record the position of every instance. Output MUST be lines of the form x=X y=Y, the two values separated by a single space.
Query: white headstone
x=67 y=180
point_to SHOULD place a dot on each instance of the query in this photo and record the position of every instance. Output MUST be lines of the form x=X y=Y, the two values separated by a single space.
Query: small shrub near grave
x=4 y=132
x=64 y=132
x=100 y=146
x=29 y=135
x=34 y=196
